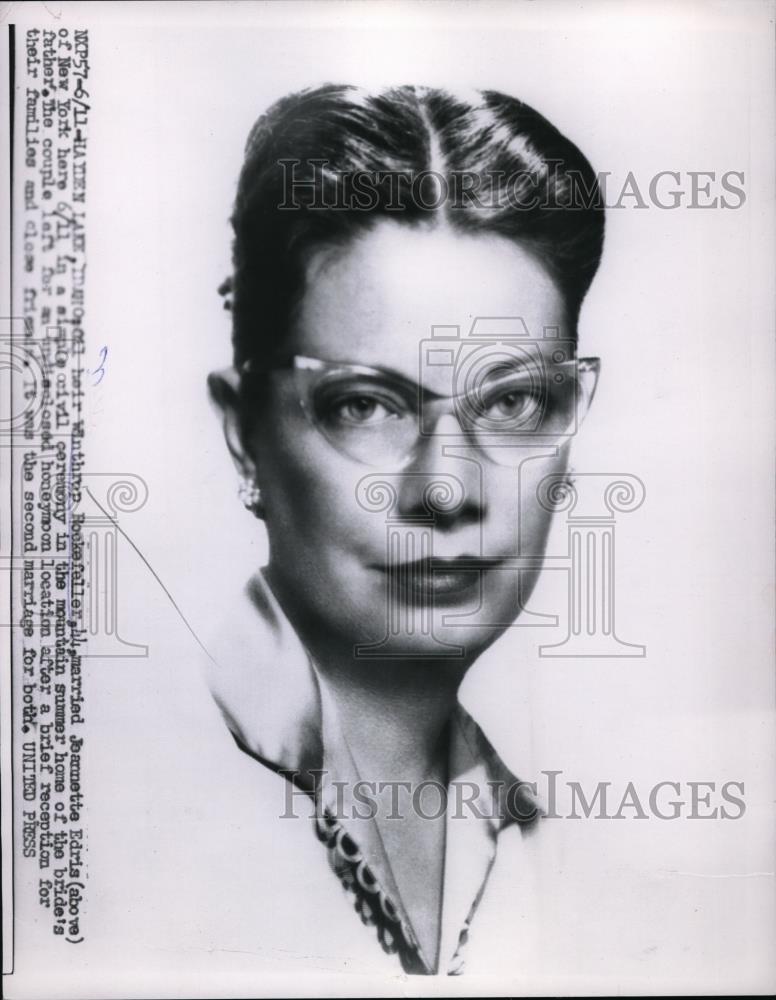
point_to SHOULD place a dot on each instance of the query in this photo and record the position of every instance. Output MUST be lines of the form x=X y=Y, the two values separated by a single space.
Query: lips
x=439 y=578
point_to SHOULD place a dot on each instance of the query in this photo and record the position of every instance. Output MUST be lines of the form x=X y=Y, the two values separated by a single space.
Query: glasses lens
x=363 y=416
x=504 y=399
x=537 y=404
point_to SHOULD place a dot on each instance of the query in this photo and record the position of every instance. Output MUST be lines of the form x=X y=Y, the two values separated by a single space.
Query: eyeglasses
x=380 y=418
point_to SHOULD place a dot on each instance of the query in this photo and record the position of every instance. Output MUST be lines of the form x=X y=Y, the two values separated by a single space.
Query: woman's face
x=351 y=572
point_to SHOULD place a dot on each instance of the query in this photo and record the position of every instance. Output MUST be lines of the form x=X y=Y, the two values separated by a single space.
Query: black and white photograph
x=387 y=528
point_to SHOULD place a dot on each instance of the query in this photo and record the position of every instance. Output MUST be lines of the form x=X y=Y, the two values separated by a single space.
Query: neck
x=395 y=713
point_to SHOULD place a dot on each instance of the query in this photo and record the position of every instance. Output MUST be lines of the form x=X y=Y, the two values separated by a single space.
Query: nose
x=444 y=480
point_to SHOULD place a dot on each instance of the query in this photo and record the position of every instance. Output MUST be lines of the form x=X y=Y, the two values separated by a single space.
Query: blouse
x=280 y=711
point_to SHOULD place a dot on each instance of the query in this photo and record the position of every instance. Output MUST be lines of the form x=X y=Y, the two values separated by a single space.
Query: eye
x=346 y=405
x=360 y=410
x=510 y=404
x=506 y=397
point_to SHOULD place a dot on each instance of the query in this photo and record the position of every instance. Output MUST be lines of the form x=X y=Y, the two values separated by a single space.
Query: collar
x=280 y=711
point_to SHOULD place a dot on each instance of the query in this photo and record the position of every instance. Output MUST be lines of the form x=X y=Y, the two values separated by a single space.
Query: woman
x=409 y=268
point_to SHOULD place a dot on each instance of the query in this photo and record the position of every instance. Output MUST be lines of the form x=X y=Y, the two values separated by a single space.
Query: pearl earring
x=250 y=495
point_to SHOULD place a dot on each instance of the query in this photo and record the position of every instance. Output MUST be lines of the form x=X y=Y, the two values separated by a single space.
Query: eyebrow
x=249 y=367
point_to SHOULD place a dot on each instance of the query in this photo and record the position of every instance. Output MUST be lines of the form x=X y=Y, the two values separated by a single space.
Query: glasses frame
x=587 y=371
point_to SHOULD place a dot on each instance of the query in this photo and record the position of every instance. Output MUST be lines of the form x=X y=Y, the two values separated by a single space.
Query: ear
x=224 y=393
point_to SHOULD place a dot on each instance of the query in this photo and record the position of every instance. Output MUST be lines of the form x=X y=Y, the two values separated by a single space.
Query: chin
x=430 y=635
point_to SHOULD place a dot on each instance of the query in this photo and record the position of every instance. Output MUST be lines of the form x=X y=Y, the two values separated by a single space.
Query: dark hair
x=324 y=164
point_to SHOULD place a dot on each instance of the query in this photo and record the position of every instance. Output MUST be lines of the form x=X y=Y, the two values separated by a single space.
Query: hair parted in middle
x=325 y=164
